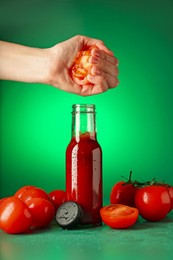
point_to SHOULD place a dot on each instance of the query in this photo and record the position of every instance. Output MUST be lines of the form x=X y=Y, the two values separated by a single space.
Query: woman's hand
x=103 y=73
x=52 y=65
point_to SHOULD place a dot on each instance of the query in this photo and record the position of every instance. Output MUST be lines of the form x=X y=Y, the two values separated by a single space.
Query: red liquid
x=84 y=176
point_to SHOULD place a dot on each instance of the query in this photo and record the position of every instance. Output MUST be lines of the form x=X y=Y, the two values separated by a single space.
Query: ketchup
x=84 y=165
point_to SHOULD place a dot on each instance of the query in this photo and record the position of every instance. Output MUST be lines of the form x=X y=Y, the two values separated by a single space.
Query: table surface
x=144 y=240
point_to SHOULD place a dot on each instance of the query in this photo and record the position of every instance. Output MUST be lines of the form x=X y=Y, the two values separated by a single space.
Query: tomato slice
x=119 y=216
x=81 y=67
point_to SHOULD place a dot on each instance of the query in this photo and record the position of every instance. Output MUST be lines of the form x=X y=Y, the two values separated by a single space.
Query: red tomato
x=123 y=193
x=22 y=190
x=81 y=67
x=42 y=210
x=153 y=202
x=15 y=217
x=57 y=197
x=170 y=191
x=119 y=216
x=34 y=193
x=1 y=200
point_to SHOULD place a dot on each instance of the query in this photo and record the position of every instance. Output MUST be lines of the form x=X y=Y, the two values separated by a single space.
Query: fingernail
x=94 y=60
x=95 y=71
x=97 y=53
x=90 y=77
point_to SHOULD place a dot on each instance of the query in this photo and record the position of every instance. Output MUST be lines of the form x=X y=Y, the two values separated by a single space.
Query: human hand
x=103 y=73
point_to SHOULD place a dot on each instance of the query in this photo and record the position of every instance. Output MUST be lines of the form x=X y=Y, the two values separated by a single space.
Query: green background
x=134 y=121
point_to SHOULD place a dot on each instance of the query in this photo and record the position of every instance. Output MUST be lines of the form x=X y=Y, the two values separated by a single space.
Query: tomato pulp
x=84 y=176
x=119 y=215
x=81 y=67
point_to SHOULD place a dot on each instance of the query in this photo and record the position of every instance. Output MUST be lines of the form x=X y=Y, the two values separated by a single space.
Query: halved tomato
x=119 y=216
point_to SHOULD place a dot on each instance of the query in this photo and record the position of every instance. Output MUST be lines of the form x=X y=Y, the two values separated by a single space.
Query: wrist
x=47 y=71
x=40 y=61
x=51 y=68
x=22 y=63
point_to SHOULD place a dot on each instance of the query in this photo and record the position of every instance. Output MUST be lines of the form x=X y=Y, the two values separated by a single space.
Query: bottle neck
x=83 y=122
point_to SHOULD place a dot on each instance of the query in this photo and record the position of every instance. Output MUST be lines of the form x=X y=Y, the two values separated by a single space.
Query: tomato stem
x=143 y=184
x=130 y=177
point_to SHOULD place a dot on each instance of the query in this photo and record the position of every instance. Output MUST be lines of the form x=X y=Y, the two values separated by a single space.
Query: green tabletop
x=145 y=240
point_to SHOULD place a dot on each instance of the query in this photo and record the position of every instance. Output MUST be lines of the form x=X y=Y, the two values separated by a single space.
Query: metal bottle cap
x=69 y=215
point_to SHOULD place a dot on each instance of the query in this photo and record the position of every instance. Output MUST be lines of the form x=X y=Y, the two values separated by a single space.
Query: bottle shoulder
x=83 y=145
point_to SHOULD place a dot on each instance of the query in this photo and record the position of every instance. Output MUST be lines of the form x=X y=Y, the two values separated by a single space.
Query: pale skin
x=51 y=65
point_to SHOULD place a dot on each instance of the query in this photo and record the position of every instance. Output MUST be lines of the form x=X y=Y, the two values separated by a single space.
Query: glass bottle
x=84 y=164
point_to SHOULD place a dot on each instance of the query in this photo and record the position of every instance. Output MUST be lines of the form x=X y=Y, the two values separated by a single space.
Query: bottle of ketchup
x=84 y=165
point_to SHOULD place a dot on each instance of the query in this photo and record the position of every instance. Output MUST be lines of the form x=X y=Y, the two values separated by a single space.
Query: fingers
x=104 y=70
x=104 y=56
x=105 y=62
x=109 y=69
x=88 y=90
x=103 y=81
x=88 y=42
